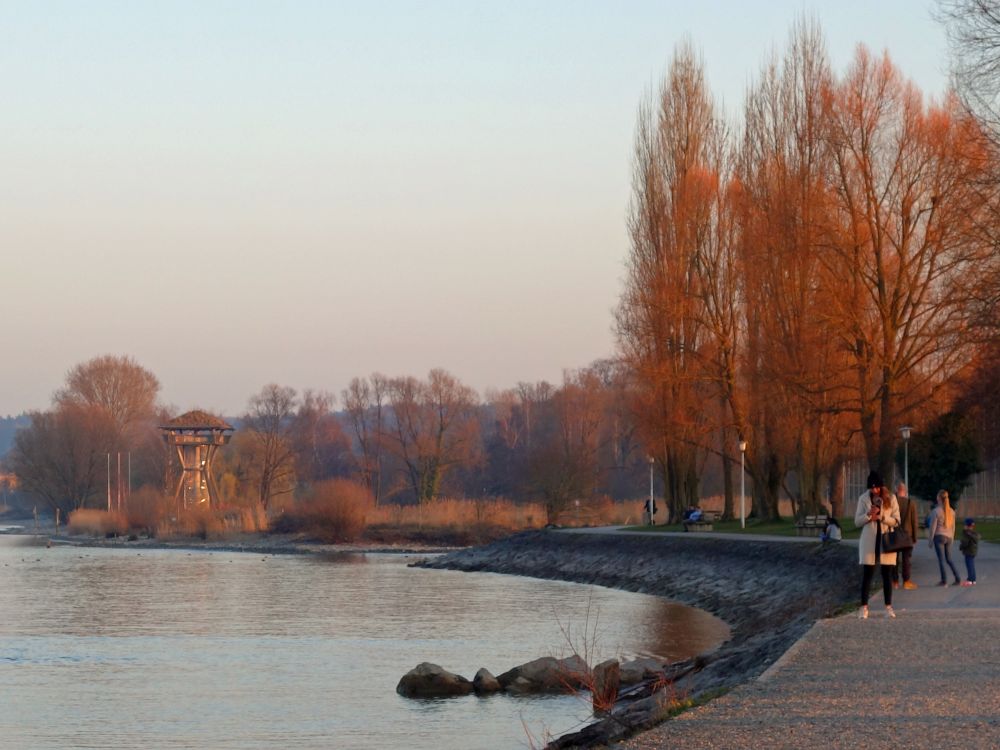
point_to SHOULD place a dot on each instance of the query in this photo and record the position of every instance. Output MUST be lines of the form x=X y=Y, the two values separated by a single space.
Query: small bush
x=96 y=522
x=147 y=508
x=200 y=522
x=334 y=511
x=253 y=518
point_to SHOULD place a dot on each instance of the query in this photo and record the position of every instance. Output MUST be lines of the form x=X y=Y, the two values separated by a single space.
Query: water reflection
x=340 y=558
x=240 y=650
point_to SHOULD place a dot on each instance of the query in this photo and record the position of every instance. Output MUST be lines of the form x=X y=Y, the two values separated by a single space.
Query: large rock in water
x=485 y=683
x=641 y=668
x=607 y=679
x=428 y=680
x=546 y=675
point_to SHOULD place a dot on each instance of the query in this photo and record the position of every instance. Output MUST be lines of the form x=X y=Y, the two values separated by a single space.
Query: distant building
x=197 y=436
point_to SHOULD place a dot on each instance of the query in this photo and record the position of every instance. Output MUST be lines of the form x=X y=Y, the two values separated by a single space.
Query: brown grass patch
x=147 y=508
x=461 y=514
x=94 y=522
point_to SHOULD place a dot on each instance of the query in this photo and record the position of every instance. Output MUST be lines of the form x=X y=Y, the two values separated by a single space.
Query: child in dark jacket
x=969 y=547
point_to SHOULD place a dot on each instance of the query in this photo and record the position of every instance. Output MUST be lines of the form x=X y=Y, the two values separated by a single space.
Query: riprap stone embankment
x=769 y=592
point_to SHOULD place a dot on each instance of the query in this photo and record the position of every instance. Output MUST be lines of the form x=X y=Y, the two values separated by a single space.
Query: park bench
x=811 y=525
x=708 y=517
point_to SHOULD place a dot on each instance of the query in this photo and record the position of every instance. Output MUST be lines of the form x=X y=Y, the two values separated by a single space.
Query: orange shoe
x=909 y=585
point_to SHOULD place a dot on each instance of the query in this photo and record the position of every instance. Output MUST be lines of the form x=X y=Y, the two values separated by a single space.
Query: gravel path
x=930 y=678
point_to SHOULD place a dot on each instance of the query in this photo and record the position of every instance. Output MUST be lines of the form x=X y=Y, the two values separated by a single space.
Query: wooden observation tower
x=197 y=436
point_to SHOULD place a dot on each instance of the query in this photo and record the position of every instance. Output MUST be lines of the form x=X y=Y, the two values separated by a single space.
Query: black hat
x=874 y=479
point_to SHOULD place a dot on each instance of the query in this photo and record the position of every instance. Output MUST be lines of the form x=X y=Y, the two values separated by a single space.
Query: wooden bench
x=811 y=525
x=708 y=517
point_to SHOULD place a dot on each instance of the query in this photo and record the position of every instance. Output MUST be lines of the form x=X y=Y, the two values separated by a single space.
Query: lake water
x=173 y=649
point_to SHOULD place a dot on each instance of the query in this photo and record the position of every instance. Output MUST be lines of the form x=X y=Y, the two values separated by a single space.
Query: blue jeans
x=942 y=546
x=970 y=567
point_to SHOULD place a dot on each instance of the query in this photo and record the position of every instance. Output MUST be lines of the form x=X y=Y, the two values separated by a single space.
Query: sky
x=241 y=193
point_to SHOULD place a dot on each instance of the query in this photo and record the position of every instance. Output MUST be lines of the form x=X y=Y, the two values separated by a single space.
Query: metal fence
x=980 y=499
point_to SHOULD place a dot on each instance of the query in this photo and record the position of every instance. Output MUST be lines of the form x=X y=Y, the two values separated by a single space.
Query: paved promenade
x=930 y=678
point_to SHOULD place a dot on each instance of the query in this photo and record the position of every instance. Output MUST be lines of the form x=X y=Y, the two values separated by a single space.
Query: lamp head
x=906 y=431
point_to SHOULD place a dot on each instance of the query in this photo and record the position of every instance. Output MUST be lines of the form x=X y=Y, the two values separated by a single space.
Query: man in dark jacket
x=908 y=516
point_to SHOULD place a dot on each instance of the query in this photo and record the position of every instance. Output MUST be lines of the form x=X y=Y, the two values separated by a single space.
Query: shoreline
x=259 y=543
x=769 y=593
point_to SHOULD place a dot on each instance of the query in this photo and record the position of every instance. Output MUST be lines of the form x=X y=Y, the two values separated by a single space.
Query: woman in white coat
x=877 y=512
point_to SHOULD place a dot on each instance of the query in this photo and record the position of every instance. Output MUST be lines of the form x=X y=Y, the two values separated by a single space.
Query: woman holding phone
x=877 y=512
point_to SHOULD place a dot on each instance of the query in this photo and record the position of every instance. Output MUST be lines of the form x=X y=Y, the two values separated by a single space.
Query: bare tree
x=973 y=29
x=366 y=404
x=660 y=326
x=564 y=462
x=435 y=429
x=793 y=370
x=62 y=456
x=318 y=441
x=268 y=427
x=912 y=189
x=118 y=384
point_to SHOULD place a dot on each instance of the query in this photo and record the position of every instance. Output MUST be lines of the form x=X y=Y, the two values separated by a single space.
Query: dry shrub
x=96 y=522
x=623 y=513
x=451 y=513
x=147 y=508
x=200 y=522
x=602 y=511
x=252 y=518
x=452 y=522
x=211 y=523
x=335 y=510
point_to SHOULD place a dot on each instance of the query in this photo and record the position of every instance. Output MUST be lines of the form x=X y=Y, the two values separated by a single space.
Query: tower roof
x=197 y=420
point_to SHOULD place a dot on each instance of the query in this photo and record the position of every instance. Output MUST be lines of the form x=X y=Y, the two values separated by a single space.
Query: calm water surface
x=174 y=649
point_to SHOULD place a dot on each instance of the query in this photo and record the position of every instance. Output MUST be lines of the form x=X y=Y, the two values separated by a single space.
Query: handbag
x=895 y=540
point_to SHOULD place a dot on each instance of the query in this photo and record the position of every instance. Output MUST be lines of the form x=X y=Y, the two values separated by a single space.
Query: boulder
x=485 y=683
x=428 y=680
x=546 y=675
x=644 y=668
x=606 y=680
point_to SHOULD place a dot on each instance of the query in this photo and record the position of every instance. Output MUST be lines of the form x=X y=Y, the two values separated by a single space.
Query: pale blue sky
x=330 y=189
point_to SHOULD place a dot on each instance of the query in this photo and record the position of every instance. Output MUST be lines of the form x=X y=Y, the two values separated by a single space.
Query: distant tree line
x=406 y=439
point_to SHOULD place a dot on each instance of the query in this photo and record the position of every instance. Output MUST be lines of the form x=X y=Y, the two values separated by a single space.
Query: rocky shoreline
x=769 y=593
x=260 y=543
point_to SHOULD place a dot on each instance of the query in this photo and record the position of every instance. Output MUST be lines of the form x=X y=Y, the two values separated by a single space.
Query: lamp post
x=743 y=478
x=651 y=521
x=905 y=429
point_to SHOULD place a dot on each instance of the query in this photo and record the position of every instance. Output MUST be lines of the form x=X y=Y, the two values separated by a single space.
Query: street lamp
x=743 y=479
x=906 y=455
x=651 y=521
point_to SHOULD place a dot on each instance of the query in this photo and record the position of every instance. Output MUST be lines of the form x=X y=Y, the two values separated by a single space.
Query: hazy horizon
x=330 y=190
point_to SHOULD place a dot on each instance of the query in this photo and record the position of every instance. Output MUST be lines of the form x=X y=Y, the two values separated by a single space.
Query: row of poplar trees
x=807 y=280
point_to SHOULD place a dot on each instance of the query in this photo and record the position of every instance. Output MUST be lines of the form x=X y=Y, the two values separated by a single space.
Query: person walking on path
x=904 y=558
x=969 y=547
x=940 y=535
x=876 y=513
